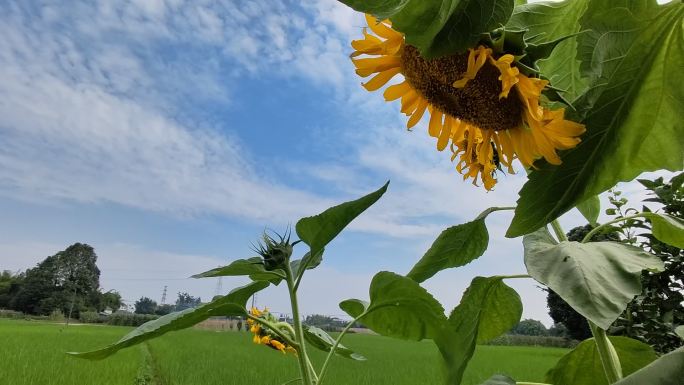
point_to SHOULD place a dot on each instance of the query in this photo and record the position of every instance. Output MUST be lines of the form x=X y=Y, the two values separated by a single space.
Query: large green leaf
x=232 y=304
x=597 y=279
x=546 y=22
x=634 y=120
x=583 y=364
x=307 y=262
x=398 y=308
x=321 y=340
x=319 y=230
x=679 y=330
x=487 y=309
x=499 y=379
x=666 y=370
x=252 y=267
x=590 y=209
x=455 y=246
x=439 y=27
x=667 y=228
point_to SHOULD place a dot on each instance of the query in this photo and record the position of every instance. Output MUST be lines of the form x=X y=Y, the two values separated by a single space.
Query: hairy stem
x=515 y=276
x=492 y=209
x=607 y=353
x=599 y=228
x=304 y=364
x=558 y=230
x=344 y=331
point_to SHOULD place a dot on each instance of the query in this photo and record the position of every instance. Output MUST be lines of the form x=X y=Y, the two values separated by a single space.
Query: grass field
x=33 y=353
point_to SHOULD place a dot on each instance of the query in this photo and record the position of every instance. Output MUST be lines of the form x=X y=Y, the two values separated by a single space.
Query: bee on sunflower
x=481 y=106
x=265 y=336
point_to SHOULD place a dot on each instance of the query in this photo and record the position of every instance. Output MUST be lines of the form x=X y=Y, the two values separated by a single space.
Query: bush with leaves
x=655 y=313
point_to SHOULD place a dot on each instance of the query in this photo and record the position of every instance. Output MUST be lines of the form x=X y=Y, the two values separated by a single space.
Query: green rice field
x=33 y=353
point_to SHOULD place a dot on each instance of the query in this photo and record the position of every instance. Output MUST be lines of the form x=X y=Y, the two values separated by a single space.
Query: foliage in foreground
x=602 y=62
x=652 y=316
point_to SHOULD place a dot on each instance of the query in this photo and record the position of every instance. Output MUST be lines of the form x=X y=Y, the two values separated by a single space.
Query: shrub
x=5 y=313
x=89 y=317
x=56 y=316
x=124 y=318
x=523 y=340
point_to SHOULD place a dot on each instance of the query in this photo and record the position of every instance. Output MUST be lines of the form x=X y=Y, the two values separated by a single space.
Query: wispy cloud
x=90 y=106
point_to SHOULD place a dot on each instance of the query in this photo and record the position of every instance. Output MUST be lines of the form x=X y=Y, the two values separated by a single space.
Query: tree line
x=69 y=283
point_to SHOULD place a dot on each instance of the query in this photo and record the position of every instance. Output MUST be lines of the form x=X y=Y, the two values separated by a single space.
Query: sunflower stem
x=344 y=331
x=558 y=230
x=607 y=353
x=304 y=363
x=492 y=209
x=595 y=230
x=515 y=276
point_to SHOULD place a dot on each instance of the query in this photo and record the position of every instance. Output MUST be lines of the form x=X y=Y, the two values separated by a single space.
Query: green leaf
x=634 y=121
x=439 y=27
x=253 y=267
x=547 y=22
x=455 y=246
x=398 y=308
x=679 y=330
x=583 y=364
x=354 y=306
x=667 y=228
x=590 y=209
x=666 y=370
x=321 y=340
x=307 y=262
x=232 y=304
x=319 y=230
x=597 y=279
x=493 y=305
x=499 y=379
x=488 y=309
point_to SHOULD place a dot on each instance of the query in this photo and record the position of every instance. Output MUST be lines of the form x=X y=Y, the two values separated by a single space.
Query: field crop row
x=33 y=354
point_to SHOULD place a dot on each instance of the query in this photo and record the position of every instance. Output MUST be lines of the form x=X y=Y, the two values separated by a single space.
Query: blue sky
x=168 y=134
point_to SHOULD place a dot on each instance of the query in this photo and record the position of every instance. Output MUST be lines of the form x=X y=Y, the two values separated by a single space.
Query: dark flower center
x=477 y=103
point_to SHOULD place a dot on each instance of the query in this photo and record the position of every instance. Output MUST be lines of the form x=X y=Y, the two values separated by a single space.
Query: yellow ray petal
x=435 y=125
x=396 y=91
x=381 y=79
x=418 y=113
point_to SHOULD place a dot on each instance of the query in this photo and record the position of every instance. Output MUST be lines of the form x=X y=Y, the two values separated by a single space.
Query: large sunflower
x=481 y=106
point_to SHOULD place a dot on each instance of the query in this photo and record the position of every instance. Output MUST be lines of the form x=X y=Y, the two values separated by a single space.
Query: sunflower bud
x=275 y=252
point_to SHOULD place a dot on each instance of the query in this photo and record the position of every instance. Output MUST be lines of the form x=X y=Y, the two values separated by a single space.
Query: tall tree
x=66 y=281
x=186 y=301
x=111 y=299
x=145 y=305
x=9 y=285
x=530 y=327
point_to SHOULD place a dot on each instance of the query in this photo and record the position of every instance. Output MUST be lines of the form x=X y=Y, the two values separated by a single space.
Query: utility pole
x=163 y=301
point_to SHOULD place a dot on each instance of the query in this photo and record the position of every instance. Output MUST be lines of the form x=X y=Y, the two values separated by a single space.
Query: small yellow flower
x=264 y=336
x=481 y=106
x=278 y=345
